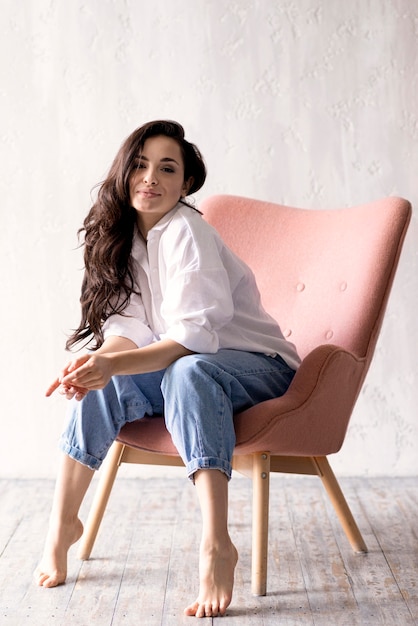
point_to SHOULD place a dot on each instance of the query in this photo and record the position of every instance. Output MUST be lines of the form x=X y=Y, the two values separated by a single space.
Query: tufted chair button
x=287 y=332
x=300 y=287
x=329 y=335
x=343 y=286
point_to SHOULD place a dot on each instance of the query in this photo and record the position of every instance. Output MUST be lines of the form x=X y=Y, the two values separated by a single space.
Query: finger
x=53 y=387
x=87 y=376
x=77 y=363
x=75 y=388
x=77 y=369
x=81 y=394
x=69 y=392
x=79 y=379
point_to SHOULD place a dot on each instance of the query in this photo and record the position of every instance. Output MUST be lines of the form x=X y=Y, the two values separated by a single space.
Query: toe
x=216 y=610
x=203 y=610
x=223 y=605
x=191 y=610
x=40 y=578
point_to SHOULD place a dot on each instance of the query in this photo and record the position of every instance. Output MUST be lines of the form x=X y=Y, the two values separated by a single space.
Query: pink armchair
x=325 y=275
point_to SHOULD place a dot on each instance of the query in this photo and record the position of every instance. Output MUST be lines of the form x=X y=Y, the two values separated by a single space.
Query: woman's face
x=157 y=182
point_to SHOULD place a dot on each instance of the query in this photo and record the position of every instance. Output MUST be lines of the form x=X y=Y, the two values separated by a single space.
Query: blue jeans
x=197 y=394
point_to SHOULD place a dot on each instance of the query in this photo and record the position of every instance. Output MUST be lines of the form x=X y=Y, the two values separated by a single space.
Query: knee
x=188 y=369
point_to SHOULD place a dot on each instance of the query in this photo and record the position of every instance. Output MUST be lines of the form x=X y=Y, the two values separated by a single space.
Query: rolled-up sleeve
x=196 y=305
x=132 y=324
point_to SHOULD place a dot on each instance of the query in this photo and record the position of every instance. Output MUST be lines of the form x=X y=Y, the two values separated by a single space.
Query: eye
x=167 y=169
x=137 y=164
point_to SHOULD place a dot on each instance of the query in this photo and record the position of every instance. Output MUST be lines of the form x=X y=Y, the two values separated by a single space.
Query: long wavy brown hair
x=108 y=230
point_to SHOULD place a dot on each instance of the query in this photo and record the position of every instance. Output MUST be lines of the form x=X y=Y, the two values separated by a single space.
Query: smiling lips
x=147 y=193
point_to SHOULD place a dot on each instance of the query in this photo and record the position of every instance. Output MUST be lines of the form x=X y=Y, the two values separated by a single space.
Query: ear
x=186 y=186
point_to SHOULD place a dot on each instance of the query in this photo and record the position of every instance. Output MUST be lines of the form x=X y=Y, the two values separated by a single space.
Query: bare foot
x=216 y=569
x=52 y=570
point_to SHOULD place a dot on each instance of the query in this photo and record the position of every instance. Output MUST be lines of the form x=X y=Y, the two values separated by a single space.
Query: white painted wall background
x=313 y=103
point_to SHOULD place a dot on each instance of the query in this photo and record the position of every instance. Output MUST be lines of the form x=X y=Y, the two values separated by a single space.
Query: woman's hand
x=90 y=371
x=117 y=356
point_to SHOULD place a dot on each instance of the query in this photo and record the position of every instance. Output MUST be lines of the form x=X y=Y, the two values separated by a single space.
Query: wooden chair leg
x=100 y=500
x=340 y=504
x=261 y=494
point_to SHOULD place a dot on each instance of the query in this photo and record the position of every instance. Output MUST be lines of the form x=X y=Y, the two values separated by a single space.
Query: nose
x=150 y=177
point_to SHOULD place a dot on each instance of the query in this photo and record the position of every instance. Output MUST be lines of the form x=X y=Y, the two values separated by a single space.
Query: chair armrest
x=311 y=418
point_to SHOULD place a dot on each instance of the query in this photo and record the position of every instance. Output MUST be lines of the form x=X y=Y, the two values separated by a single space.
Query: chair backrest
x=324 y=275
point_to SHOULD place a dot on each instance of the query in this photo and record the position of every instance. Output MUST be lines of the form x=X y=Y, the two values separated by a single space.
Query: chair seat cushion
x=149 y=434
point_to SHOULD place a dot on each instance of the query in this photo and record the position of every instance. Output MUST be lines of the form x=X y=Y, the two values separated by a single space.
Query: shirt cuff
x=130 y=328
x=193 y=337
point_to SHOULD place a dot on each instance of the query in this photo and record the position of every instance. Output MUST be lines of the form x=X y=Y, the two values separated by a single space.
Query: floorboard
x=143 y=569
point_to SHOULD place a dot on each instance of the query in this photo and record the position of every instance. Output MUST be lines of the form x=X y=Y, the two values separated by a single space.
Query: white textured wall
x=309 y=102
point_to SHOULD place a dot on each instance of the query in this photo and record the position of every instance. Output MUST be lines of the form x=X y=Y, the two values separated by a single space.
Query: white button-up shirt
x=196 y=291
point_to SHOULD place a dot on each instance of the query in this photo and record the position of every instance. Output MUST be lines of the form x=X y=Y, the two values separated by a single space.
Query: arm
x=116 y=356
x=151 y=358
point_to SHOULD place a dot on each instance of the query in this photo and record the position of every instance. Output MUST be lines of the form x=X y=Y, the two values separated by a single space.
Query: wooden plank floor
x=143 y=569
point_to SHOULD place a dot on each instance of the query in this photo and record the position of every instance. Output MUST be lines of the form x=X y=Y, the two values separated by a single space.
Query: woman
x=179 y=330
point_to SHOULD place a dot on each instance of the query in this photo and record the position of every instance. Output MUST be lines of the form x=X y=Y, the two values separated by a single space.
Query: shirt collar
x=166 y=219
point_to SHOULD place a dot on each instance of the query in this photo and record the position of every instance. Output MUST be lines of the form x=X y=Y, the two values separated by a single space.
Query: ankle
x=215 y=545
x=60 y=520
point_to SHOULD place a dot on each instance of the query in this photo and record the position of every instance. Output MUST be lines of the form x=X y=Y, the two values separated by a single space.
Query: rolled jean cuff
x=78 y=455
x=209 y=462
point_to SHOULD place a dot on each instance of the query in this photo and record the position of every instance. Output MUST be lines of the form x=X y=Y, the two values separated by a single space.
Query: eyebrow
x=163 y=160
